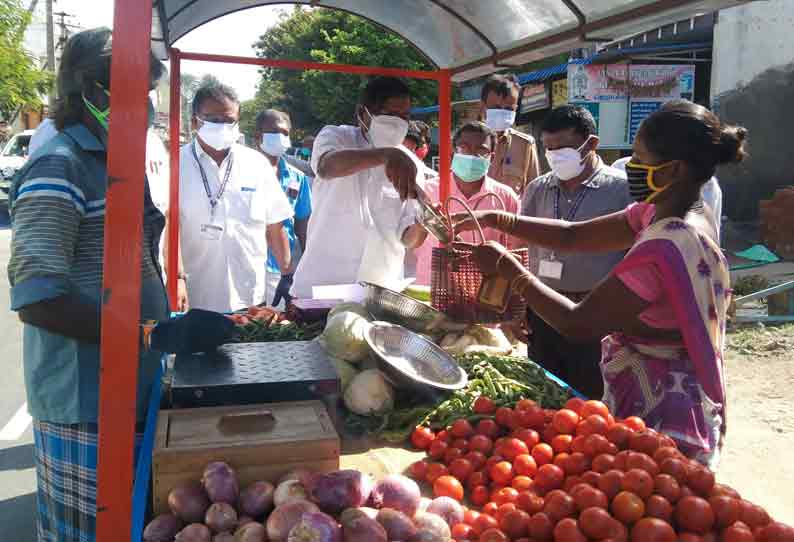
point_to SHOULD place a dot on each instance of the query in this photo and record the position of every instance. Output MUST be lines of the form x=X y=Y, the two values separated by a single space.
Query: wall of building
x=752 y=85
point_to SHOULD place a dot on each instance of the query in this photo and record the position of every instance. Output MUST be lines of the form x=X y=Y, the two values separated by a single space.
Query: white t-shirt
x=356 y=221
x=711 y=194
x=225 y=253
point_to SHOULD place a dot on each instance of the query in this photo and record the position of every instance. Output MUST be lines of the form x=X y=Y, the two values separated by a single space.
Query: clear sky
x=230 y=35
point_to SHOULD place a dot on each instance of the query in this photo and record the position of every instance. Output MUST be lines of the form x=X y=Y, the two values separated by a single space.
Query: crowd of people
x=627 y=287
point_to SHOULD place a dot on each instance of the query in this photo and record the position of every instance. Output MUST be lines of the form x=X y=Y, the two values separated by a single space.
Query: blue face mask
x=469 y=168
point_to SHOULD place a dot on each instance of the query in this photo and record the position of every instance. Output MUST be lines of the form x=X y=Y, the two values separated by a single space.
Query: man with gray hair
x=231 y=209
x=271 y=136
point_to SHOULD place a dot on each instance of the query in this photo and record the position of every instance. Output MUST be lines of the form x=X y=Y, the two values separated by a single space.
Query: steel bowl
x=411 y=361
x=397 y=308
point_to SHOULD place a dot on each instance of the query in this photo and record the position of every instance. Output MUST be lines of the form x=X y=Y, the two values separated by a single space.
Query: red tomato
x=653 y=530
x=526 y=465
x=777 y=532
x=627 y=507
x=437 y=449
x=664 y=452
x=522 y=483
x=531 y=418
x=638 y=482
x=592 y=425
x=635 y=424
x=502 y=472
x=565 y=421
x=577 y=444
x=561 y=443
x=753 y=515
x=493 y=460
x=701 y=480
x=722 y=489
x=657 y=506
x=595 y=522
x=483 y=523
x=452 y=454
x=667 y=486
x=675 y=468
x=461 y=444
x=540 y=526
x=542 y=454
x=477 y=459
x=530 y=502
x=483 y=405
x=487 y=427
x=479 y=495
x=479 y=478
x=514 y=447
x=493 y=535
x=646 y=442
x=461 y=469
x=481 y=443
x=418 y=470
x=444 y=436
x=594 y=407
x=603 y=463
x=470 y=516
x=568 y=530
x=559 y=505
x=461 y=531
x=619 y=435
x=504 y=495
x=595 y=444
x=504 y=417
x=422 y=437
x=461 y=429
x=515 y=523
x=642 y=461
x=448 y=486
x=577 y=463
x=739 y=532
x=503 y=509
x=694 y=514
x=526 y=404
x=575 y=404
x=490 y=509
x=590 y=497
x=611 y=483
x=727 y=510
x=549 y=477
x=591 y=477
x=529 y=437
x=434 y=470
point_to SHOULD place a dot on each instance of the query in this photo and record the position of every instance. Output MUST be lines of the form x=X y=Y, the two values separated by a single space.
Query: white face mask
x=219 y=136
x=275 y=144
x=500 y=119
x=387 y=130
x=567 y=163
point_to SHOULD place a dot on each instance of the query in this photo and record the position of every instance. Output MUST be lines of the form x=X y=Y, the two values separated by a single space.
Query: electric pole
x=50 y=50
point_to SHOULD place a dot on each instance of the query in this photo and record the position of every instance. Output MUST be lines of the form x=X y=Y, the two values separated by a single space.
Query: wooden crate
x=261 y=442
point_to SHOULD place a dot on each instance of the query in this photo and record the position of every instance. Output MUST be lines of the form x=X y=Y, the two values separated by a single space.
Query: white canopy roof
x=470 y=37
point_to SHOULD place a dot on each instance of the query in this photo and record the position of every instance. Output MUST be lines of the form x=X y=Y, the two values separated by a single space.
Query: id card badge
x=211 y=232
x=550 y=268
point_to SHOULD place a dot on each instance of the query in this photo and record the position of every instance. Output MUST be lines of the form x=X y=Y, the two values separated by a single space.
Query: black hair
x=682 y=130
x=273 y=115
x=477 y=127
x=501 y=84
x=85 y=61
x=215 y=91
x=380 y=89
x=570 y=116
x=415 y=132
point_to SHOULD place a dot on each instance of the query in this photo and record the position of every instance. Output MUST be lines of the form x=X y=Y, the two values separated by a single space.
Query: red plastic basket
x=455 y=277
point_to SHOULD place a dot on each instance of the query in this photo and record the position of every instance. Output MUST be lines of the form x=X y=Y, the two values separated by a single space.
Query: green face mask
x=101 y=117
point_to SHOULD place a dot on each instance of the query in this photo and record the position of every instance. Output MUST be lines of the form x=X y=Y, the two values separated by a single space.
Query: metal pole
x=121 y=299
x=445 y=133
x=50 y=51
x=174 y=124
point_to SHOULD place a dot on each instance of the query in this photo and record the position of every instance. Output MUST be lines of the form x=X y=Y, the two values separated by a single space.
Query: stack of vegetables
x=578 y=475
x=344 y=505
x=263 y=324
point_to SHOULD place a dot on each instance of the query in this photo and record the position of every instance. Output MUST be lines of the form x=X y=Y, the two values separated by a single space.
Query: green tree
x=22 y=82
x=316 y=98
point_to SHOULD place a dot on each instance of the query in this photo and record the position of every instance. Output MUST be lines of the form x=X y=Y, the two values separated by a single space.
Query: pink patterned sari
x=678 y=389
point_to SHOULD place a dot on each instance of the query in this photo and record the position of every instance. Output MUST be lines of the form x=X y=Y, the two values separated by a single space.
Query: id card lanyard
x=574 y=208
x=213 y=199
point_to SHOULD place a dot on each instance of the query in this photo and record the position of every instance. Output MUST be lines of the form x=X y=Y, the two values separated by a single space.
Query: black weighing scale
x=253 y=373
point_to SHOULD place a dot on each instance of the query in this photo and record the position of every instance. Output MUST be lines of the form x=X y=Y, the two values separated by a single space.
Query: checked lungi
x=66 y=461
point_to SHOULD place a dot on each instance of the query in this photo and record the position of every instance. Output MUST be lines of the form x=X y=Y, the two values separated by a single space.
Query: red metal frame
x=121 y=298
x=442 y=77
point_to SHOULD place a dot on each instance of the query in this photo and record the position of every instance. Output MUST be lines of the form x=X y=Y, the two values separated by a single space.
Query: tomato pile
x=578 y=475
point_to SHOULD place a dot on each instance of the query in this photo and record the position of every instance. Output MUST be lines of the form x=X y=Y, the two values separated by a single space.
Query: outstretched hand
x=493 y=258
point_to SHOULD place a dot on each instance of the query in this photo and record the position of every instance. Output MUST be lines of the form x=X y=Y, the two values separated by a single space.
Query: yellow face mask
x=641 y=185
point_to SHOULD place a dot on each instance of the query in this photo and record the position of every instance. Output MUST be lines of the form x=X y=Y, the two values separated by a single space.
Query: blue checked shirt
x=299 y=193
x=57 y=208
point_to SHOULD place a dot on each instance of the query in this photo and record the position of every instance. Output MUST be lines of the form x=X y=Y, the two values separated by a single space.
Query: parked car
x=13 y=157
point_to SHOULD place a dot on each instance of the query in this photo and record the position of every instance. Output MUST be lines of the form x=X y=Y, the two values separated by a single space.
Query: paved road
x=17 y=474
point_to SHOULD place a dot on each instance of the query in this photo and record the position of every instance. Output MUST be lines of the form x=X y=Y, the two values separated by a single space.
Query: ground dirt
x=757 y=457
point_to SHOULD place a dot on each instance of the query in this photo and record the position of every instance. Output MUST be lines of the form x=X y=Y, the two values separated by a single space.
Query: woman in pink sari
x=663 y=309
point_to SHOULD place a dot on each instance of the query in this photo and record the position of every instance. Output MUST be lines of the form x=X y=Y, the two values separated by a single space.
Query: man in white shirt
x=364 y=176
x=231 y=208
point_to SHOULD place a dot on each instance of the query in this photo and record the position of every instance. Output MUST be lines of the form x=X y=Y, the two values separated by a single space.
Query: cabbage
x=369 y=393
x=345 y=371
x=349 y=306
x=343 y=336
